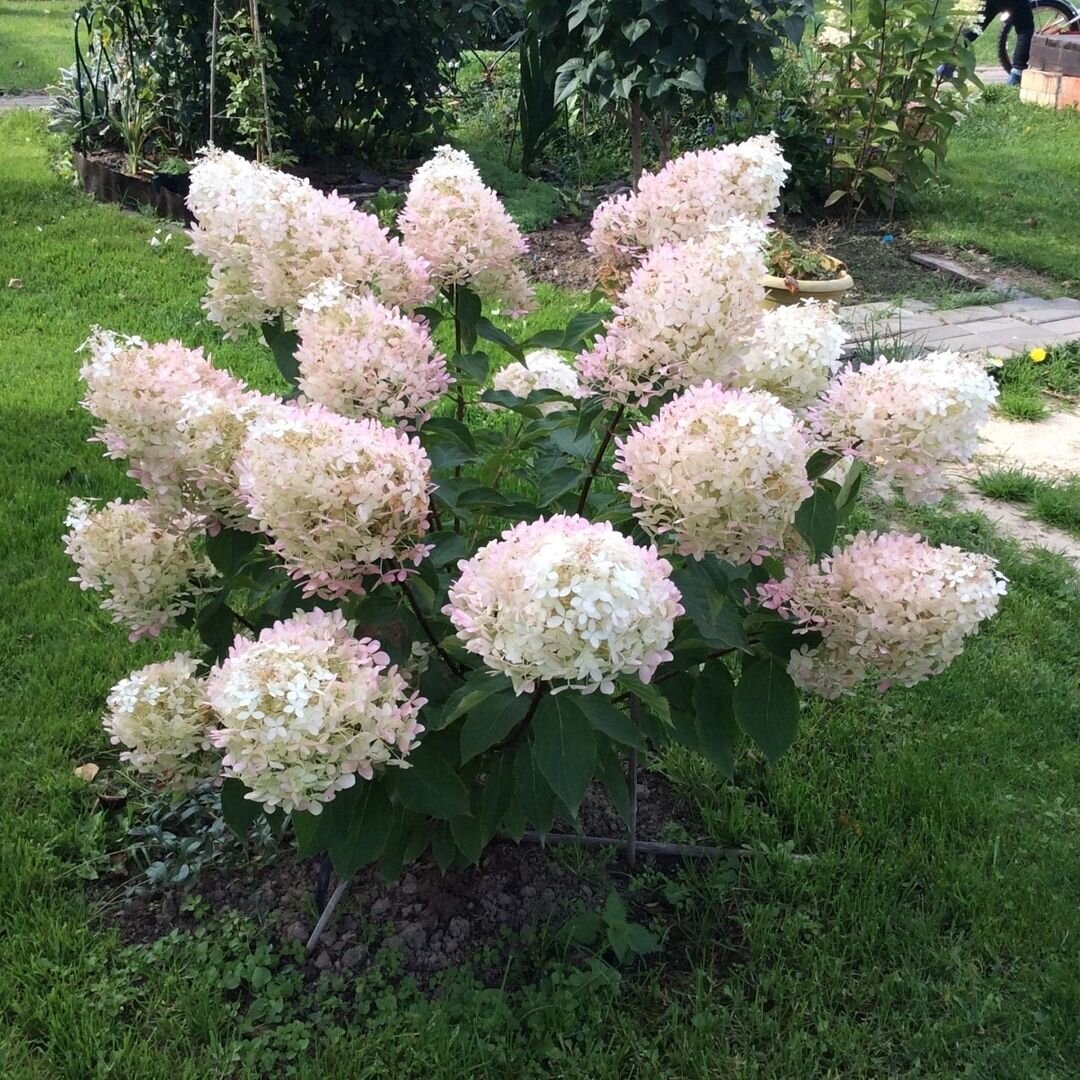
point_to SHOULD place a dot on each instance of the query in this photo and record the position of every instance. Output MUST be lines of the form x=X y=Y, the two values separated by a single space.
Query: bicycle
x=1052 y=16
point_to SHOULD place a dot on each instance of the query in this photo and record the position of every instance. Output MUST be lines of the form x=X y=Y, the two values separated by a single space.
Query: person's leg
x=1023 y=20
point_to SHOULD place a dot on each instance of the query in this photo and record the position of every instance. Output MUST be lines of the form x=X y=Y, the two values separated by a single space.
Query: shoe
x=1014 y=78
x=946 y=71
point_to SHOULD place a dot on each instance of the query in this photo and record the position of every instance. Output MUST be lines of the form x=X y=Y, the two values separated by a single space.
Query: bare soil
x=558 y=255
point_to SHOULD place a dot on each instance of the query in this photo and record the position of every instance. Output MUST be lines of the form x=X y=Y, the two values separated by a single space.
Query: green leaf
x=473 y=365
x=498 y=790
x=564 y=748
x=582 y=328
x=615 y=784
x=486 y=329
x=767 y=706
x=448 y=442
x=468 y=310
x=229 y=549
x=609 y=720
x=835 y=197
x=238 y=811
x=448 y=547
x=704 y=588
x=468 y=833
x=532 y=791
x=654 y=701
x=283 y=345
x=306 y=828
x=714 y=717
x=557 y=482
x=443 y=849
x=214 y=626
x=432 y=787
x=478 y=687
x=881 y=174
x=361 y=834
x=821 y=461
x=490 y=721
x=816 y=521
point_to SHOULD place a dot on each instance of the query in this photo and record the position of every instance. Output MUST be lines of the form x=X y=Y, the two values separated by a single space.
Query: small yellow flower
x=1037 y=355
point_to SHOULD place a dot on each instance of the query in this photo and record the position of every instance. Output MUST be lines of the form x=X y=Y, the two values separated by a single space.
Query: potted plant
x=797 y=272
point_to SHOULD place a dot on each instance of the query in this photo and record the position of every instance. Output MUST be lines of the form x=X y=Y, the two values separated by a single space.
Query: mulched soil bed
x=558 y=255
x=434 y=921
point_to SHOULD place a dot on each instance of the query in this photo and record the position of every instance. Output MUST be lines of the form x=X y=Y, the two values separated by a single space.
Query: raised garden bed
x=102 y=179
x=1053 y=77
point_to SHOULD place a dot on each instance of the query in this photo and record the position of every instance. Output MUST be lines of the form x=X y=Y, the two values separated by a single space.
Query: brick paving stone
x=952 y=336
x=966 y=314
x=1063 y=329
x=1005 y=331
x=1037 y=311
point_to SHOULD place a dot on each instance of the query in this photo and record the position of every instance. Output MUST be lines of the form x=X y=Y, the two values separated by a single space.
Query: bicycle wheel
x=1048 y=14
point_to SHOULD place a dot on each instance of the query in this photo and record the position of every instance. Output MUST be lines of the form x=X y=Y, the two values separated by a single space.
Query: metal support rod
x=631 y=784
x=324 y=918
x=644 y=847
x=322 y=883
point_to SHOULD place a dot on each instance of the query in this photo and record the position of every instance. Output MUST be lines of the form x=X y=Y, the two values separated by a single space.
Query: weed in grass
x=1058 y=504
x=1009 y=485
x=1020 y=403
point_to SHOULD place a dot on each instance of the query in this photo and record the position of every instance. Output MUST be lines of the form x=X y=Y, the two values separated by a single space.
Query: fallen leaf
x=86 y=772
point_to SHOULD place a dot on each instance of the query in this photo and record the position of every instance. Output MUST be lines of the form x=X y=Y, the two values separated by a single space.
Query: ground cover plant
x=931 y=929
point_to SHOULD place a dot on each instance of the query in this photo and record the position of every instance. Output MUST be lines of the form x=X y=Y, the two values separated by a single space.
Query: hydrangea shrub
x=439 y=596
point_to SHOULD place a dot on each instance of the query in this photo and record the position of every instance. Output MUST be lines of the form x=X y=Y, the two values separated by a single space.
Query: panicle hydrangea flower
x=566 y=601
x=342 y=498
x=178 y=420
x=793 y=353
x=158 y=713
x=148 y=565
x=689 y=196
x=680 y=319
x=909 y=418
x=889 y=606
x=459 y=226
x=542 y=369
x=363 y=359
x=305 y=709
x=723 y=470
x=270 y=238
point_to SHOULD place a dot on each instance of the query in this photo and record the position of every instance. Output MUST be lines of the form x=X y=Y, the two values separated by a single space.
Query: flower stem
x=240 y=618
x=429 y=632
x=605 y=442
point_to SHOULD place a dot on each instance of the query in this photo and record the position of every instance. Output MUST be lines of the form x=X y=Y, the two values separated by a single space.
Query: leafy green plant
x=644 y=59
x=881 y=90
x=611 y=928
x=787 y=257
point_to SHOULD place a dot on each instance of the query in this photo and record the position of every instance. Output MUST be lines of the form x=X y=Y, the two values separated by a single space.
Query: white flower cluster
x=566 y=601
x=363 y=359
x=271 y=237
x=680 y=320
x=149 y=568
x=722 y=470
x=793 y=353
x=343 y=499
x=459 y=226
x=305 y=709
x=688 y=197
x=158 y=713
x=909 y=418
x=542 y=369
x=892 y=607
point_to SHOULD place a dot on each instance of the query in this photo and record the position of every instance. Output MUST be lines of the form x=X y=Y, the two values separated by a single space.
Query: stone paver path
x=23 y=101
x=995 y=329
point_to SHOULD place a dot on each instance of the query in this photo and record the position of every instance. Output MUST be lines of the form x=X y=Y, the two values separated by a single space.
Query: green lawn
x=35 y=40
x=1010 y=186
x=932 y=930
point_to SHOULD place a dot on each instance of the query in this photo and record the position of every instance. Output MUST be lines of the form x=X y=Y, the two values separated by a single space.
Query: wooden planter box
x=107 y=184
x=1053 y=77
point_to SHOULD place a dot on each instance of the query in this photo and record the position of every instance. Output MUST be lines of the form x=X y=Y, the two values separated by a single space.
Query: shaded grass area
x=1055 y=502
x=1011 y=176
x=35 y=40
x=930 y=931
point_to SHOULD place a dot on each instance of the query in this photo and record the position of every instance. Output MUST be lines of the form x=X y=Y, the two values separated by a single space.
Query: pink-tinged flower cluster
x=459 y=226
x=793 y=353
x=343 y=499
x=568 y=602
x=363 y=359
x=680 y=319
x=542 y=369
x=147 y=565
x=305 y=709
x=158 y=714
x=723 y=471
x=891 y=607
x=271 y=237
x=178 y=420
x=909 y=418
x=689 y=196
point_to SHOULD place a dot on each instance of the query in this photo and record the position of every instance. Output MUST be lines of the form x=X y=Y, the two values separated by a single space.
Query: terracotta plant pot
x=778 y=294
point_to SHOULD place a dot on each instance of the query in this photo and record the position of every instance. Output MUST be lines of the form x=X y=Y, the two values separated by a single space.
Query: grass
x=1025 y=382
x=35 y=40
x=1011 y=174
x=931 y=931
x=1055 y=502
